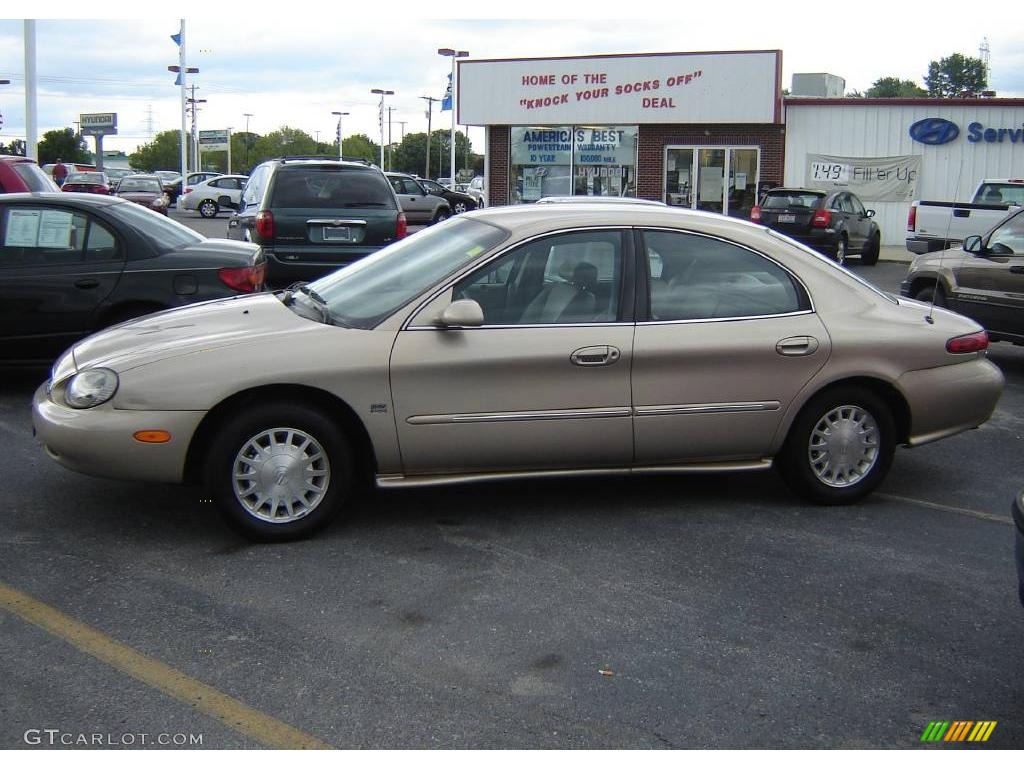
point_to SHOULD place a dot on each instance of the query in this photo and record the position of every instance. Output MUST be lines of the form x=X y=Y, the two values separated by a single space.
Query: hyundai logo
x=934 y=131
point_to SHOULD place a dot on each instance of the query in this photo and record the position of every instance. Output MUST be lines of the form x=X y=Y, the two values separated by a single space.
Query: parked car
x=524 y=341
x=475 y=189
x=983 y=280
x=146 y=190
x=71 y=264
x=173 y=188
x=1017 y=511
x=209 y=196
x=833 y=222
x=936 y=226
x=312 y=216
x=587 y=199
x=459 y=202
x=22 y=174
x=95 y=182
x=419 y=206
x=114 y=175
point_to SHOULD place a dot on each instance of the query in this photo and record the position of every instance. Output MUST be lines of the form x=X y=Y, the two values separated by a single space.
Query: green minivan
x=312 y=216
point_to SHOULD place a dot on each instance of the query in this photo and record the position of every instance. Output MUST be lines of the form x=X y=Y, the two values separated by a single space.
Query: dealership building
x=708 y=130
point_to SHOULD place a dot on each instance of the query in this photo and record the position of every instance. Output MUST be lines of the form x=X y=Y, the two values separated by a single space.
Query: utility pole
x=391 y=150
x=31 y=86
x=247 y=115
x=430 y=111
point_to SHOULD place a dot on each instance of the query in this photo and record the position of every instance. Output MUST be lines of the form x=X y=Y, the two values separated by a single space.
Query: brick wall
x=653 y=140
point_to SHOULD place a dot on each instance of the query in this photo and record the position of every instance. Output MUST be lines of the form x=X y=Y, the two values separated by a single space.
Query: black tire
x=931 y=294
x=872 y=249
x=842 y=249
x=208 y=209
x=441 y=215
x=275 y=426
x=856 y=414
x=459 y=207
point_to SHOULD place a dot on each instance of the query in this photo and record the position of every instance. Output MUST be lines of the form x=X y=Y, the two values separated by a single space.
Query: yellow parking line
x=229 y=711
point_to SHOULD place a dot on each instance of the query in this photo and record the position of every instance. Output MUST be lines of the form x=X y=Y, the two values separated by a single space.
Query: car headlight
x=90 y=387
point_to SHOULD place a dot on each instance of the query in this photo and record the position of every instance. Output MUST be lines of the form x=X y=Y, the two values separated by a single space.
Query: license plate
x=338 y=233
x=787 y=218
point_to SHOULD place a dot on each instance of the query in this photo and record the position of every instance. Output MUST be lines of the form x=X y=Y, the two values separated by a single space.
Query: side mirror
x=464 y=313
x=870 y=212
x=972 y=244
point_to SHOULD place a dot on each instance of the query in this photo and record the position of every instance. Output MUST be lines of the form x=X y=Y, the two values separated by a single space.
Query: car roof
x=801 y=191
x=63 y=197
x=595 y=199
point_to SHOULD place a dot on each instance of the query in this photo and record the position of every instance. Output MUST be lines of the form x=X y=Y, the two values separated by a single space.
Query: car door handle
x=87 y=282
x=797 y=346
x=593 y=356
x=1017 y=270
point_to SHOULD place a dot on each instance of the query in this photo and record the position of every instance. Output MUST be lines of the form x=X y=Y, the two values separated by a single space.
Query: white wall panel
x=948 y=172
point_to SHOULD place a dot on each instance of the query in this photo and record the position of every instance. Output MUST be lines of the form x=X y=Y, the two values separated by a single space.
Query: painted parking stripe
x=229 y=711
x=946 y=508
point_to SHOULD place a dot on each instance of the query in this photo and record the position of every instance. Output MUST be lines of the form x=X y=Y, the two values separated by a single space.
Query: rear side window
x=996 y=194
x=34 y=178
x=331 y=188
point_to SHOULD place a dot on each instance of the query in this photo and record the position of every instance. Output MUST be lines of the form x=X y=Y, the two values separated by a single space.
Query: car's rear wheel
x=208 y=209
x=932 y=294
x=440 y=216
x=872 y=249
x=279 y=472
x=840 y=447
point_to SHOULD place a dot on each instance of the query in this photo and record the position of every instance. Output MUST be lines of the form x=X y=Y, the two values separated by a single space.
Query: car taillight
x=822 y=218
x=755 y=213
x=401 y=227
x=243 y=279
x=265 y=225
x=912 y=219
x=972 y=342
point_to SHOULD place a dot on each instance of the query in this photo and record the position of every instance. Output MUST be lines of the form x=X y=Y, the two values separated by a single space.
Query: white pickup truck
x=935 y=226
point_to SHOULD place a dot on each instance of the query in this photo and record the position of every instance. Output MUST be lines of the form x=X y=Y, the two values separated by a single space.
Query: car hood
x=205 y=327
x=949 y=258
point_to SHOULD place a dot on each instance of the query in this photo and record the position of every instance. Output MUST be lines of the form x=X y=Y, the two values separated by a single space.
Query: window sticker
x=22 y=230
x=55 y=229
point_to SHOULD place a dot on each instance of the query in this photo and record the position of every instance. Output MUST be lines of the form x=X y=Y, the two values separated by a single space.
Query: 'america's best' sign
x=737 y=87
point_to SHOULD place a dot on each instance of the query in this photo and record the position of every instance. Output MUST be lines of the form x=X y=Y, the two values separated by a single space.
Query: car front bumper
x=99 y=441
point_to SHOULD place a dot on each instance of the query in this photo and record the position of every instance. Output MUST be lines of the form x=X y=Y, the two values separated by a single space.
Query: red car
x=90 y=181
x=146 y=190
x=22 y=174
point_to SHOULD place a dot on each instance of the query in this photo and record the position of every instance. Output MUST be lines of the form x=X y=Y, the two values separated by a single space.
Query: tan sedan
x=524 y=341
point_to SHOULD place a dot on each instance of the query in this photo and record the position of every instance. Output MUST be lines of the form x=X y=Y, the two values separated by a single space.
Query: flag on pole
x=177 y=39
x=446 y=102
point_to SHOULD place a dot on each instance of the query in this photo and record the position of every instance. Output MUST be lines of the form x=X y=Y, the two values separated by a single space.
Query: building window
x=550 y=161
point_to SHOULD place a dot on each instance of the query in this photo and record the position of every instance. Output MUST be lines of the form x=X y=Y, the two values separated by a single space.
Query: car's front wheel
x=841 y=251
x=932 y=294
x=279 y=472
x=459 y=207
x=872 y=249
x=208 y=209
x=840 y=447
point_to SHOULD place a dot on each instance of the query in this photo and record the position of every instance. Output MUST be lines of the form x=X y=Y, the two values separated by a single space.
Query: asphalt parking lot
x=695 y=612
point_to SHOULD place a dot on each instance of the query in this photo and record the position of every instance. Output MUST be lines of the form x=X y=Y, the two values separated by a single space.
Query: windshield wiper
x=320 y=302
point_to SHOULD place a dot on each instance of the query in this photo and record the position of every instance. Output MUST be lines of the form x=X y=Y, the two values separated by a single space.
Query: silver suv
x=419 y=206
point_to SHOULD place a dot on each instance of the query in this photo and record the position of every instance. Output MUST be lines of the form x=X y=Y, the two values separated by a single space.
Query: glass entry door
x=717 y=179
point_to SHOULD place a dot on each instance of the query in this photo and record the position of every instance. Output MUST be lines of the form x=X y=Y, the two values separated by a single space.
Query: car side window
x=569 y=278
x=101 y=243
x=701 y=278
x=1008 y=239
x=844 y=204
x=35 y=236
x=856 y=206
x=253 y=189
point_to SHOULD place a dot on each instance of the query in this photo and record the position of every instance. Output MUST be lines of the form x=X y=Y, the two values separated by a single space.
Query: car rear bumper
x=823 y=240
x=286 y=265
x=99 y=441
x=950 y=399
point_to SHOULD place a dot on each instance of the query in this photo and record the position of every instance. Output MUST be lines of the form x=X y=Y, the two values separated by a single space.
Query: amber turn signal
x=152 y=436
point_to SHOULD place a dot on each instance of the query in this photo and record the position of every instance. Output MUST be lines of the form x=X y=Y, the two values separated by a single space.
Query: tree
x=16 y=147
x=162 y=153
x=411 y=155
x=360 y=145
x=894 y=88
x=956 y=75
x=65 y=144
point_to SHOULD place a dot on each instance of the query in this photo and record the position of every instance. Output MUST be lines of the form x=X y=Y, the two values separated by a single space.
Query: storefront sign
x=212 y=141
x=874 y=179
x=737 y=87
x=99 y=124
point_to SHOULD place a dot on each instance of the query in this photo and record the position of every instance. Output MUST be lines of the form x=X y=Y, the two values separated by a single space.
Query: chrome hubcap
x=843 y=446
x=841 y=252
x=460 y=207
x=281 y=475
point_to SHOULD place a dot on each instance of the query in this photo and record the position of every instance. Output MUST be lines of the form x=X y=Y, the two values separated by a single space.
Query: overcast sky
x=296 y=70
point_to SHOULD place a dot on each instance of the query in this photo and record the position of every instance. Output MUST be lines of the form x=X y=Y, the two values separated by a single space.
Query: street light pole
x=247 y=115
x=454 y=54
x=380 y=119
x=341 y=155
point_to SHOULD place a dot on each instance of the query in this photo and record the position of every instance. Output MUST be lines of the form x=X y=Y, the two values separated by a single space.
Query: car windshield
x=135 y=184
x=792 y=199
x=84 y=178
x=34 y=177
x=306 y=187
x=166 y=234
x=372 y=289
